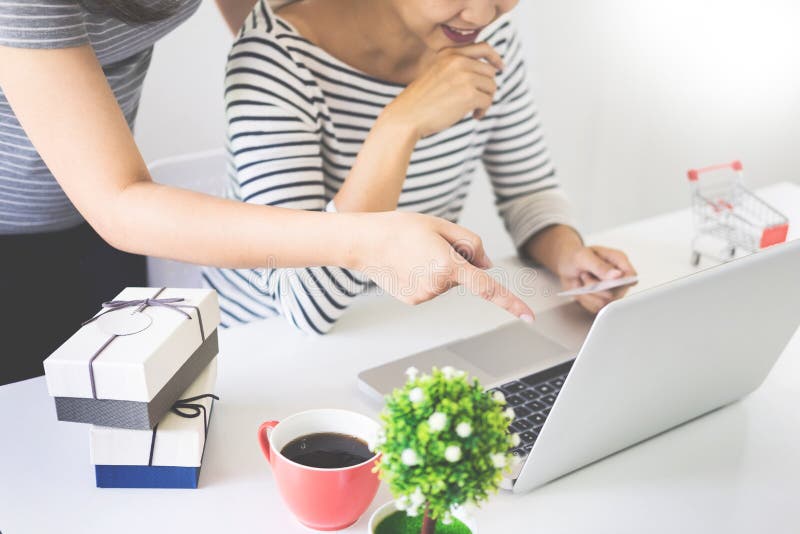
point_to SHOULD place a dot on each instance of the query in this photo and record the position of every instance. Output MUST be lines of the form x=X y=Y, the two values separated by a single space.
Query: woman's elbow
x=114 y=232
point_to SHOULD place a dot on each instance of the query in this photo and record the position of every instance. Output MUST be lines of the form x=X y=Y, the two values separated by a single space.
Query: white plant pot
x=389 y=508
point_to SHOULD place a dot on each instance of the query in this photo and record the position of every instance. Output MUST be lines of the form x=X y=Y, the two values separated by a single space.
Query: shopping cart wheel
x=695 y=259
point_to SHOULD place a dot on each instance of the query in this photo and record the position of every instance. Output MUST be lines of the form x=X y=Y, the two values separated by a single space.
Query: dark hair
x=131 y=11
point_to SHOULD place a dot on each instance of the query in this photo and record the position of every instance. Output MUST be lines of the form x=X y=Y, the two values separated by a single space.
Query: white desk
x=734 y=471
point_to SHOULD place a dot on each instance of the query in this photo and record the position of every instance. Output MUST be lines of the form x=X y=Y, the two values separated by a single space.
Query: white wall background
x=632 y=94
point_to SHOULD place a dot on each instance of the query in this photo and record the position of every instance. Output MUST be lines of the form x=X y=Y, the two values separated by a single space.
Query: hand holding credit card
x=603 y=285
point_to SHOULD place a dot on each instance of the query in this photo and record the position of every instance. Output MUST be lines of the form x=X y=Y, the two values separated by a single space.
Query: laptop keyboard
x=531 y=398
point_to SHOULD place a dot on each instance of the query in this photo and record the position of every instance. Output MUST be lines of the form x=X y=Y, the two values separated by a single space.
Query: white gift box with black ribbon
x=170 y=455
x=126 y=366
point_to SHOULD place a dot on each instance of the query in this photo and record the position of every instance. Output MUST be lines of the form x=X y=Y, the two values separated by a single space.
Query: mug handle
x=263 y=438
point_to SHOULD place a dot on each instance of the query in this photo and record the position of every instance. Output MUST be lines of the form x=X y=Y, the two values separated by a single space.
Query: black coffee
x=327 y=450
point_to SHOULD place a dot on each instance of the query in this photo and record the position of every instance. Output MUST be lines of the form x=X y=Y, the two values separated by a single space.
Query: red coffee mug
x=322 y=499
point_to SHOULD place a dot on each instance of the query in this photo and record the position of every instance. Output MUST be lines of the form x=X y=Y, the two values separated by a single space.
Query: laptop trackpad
x=511 y=351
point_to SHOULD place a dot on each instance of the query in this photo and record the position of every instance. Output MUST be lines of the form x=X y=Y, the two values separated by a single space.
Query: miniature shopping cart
x=726 y=213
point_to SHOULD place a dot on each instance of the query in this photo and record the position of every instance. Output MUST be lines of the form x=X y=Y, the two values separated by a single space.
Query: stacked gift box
x=142 y=372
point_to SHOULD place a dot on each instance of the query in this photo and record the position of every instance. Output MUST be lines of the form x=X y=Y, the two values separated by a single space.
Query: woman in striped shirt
x=377 y=105
x=75 y=192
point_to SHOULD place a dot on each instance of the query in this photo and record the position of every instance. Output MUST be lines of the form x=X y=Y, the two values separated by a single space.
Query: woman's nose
x=479 y=13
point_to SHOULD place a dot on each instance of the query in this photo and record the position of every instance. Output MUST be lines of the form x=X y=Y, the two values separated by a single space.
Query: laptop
x=584 y=389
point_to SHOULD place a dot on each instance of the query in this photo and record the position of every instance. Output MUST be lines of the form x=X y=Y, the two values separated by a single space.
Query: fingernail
x=613 y=273
x=527 y=318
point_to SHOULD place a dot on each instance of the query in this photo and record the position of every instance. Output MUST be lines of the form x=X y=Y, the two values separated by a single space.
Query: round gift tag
x=123 y=322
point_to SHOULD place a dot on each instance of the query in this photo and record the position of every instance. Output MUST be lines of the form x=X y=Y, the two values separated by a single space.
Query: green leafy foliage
x=445 y=443
x=400 y=523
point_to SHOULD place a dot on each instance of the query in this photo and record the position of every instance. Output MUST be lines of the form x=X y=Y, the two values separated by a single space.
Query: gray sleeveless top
x=30 y=198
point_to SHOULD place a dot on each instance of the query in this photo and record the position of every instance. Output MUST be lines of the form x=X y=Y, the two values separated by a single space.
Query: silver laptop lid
x=668 y=354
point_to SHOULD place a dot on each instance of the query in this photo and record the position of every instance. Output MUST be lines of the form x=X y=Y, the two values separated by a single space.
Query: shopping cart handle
x=694 y=174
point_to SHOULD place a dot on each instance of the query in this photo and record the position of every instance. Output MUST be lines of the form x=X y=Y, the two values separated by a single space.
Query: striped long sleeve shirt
x=297 y=118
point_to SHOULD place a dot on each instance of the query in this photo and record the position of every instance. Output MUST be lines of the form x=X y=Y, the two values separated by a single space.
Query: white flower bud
x=376 y=440
x=412 y=512
x=515 y=440
x=464 y=430
x=417 y=498
x=412 y=372
x=499 y=460
x=401 y=503
x=448 y=372
x=452 y=453
x=416 y=395
x=499 y=397
x=437 y=421
x=409 y=457
x=509 y=413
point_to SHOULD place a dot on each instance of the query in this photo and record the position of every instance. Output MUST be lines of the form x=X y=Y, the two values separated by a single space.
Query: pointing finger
x=481 y=283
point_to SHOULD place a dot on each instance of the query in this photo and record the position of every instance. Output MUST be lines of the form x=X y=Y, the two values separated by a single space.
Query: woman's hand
x=416 y=257
x=561 y=249
x=456 y=83
x=589 y=265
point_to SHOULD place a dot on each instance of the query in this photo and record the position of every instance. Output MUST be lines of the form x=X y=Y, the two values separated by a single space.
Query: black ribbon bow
x=189 y=409
x=112 y=305
x=140 y=305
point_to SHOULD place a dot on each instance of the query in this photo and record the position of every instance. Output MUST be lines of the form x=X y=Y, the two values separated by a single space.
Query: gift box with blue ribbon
x=168 y=456
x=126 y=366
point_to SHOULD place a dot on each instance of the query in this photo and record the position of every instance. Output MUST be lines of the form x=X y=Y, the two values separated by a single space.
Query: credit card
x=603 y=285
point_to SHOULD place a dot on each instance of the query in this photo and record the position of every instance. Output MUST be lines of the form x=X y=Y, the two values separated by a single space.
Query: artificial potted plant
x=444 y=444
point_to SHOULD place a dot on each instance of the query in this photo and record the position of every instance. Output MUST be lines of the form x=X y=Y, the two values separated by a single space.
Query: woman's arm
x=64 y=103
x=455 y=84
x=535 y=211
x=235 y=11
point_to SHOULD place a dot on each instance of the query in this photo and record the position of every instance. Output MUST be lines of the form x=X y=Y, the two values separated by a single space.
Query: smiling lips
x=460 y=36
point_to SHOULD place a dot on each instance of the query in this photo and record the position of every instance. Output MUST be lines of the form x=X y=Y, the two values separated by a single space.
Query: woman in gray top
x=77 y=203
